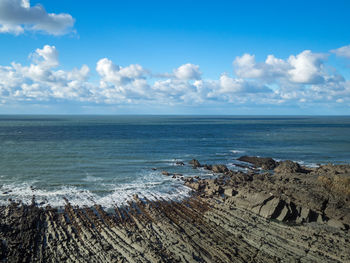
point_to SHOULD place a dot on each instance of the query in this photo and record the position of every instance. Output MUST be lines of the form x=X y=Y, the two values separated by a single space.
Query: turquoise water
x=106 y=159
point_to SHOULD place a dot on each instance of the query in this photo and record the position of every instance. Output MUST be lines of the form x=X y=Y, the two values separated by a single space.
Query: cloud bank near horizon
x=17 y=16
x=302 y=79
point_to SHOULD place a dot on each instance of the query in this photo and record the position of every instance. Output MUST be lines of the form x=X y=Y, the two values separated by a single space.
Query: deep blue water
x=105 y=159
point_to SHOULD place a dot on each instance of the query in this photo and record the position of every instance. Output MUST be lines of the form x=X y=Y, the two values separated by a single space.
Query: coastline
x=283 y=213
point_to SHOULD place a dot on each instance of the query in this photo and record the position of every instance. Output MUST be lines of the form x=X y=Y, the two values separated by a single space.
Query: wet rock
x=263 y=162
x=219 y=168
x=177 y=176
x=208 y=167
x=189 y=180
x=180 y=163
x=195 y=163
x=166 y=173
x=288 y=167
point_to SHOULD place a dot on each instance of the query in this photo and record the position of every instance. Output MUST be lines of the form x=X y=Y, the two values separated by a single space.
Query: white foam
x=307 y=164
x=148 y=185
x=303 y=163
x=24 y=192
x=171 y=162
x=90 y=178
x=236 y=151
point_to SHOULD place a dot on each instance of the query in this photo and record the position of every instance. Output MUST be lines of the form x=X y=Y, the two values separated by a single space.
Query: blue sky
x=175 y=57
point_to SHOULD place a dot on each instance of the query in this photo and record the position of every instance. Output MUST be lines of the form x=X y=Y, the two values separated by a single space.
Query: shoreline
x=285 y=213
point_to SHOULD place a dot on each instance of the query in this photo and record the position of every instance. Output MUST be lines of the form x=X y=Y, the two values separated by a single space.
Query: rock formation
x=263 y=162
x=292 y=215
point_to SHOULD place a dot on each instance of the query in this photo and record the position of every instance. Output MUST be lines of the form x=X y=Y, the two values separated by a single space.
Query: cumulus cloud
x=120 y=84
x=118 y=75
x=40 y=82
x=306 y=67
x=17 y=16
x=342 y=51
x=298 y=79
x=234 y=85
x=187 y=71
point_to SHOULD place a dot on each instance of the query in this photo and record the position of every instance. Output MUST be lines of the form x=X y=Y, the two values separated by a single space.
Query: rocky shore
x=269 y=212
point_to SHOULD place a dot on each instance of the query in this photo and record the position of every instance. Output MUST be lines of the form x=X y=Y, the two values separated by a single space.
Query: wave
x=90 y=178
x=149 y=185
x=236 y=151
x=308 y=164
x=303 y=163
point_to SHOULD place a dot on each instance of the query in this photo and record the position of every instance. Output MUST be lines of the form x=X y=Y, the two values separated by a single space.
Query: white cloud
x=46 y=57
x=17 y=16
x=300 y=79
x=39 y=82
x=116 y=74
x=306 y=68
x=120 y=84
x=234 y=85
x=246 y=67
x=187 y=72
x=342 y=51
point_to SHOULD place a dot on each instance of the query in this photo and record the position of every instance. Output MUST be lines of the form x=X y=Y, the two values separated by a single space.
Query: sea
x=107 y=159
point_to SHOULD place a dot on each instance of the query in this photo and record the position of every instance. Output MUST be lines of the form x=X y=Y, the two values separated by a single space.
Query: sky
x=175 y=57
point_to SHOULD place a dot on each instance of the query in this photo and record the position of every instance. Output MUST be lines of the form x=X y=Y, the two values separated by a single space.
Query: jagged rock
x=195 y=163
x=180 y=163
x=272 y=208
x=189 y=180
x=288 y=167
x=265 y=163
x=195 y=185
x=230 y=192
x=284 y=213
x=240 y=177
x=166 y=173
x=335 y=223
x=177 y=176
x=331 y=170
x=136 y=198
x=304 y=214
x=208 y=166
x=216 y=189
x=219 y=168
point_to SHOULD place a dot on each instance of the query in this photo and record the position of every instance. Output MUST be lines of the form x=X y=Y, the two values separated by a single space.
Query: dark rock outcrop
x=288 y=167
x=207 y=166
x=219 y=168
x=195 y=163
x=265 y=163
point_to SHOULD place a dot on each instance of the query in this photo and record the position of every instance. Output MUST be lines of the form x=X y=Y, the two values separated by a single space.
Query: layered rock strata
x=288 y=216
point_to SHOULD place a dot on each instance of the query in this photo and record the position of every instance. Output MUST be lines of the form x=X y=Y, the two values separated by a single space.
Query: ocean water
x=106 y=159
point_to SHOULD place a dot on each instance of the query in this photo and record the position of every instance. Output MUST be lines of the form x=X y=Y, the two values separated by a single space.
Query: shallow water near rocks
x=106 y=159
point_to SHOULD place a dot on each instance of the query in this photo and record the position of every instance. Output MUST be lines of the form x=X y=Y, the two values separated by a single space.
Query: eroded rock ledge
x=294 y=214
